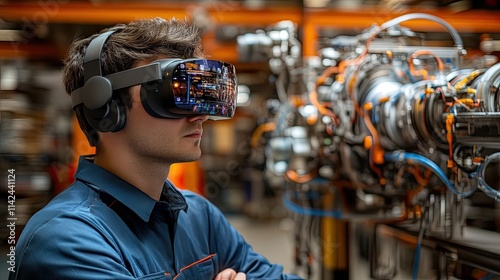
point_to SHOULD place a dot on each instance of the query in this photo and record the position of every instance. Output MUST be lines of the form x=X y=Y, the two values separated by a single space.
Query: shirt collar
x=130 y=196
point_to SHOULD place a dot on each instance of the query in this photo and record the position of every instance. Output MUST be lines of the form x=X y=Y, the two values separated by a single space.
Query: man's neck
x=144 y=174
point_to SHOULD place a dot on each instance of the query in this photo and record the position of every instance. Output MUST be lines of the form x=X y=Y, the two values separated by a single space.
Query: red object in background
x=188 y=176
x=61 y=175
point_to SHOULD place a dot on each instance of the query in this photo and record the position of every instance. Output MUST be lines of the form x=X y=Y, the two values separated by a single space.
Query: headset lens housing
x=206 y=87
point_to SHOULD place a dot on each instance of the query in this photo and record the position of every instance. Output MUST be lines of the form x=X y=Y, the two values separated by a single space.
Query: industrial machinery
x=382 y=136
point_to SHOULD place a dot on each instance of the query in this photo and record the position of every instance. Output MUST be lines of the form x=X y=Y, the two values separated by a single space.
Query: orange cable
x=423 y=72
x=265 y=127
x=300 y=179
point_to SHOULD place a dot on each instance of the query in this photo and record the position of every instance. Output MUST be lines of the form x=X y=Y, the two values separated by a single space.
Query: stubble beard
x=169 y=155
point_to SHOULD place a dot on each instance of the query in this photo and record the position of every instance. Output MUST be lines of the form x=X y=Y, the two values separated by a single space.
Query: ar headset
x=170 y=88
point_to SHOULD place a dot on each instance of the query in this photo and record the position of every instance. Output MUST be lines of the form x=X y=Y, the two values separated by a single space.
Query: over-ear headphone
x=102 y=112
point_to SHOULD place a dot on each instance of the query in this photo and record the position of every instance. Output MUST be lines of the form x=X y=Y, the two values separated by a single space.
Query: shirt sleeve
x=68 y=248
x=234 y=252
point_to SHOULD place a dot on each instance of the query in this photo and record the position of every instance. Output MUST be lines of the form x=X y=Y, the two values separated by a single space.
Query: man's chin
x=190 y=158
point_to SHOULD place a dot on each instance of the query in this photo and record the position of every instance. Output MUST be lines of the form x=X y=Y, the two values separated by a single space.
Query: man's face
x=162 y=140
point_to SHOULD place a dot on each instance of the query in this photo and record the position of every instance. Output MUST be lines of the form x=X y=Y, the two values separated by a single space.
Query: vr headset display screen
x=172 y=88
x=204 y=87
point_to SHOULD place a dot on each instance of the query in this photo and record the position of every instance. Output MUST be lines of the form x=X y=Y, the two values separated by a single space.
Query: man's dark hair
x=140 y=40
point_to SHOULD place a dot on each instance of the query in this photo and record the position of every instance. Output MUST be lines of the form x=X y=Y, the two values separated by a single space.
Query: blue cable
x=416 y=261
x=408 y=73
x=418 y=248
x=309 y=211
x=400 y=156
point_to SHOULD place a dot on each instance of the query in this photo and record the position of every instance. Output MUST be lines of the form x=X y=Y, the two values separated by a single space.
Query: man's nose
x=201 y=118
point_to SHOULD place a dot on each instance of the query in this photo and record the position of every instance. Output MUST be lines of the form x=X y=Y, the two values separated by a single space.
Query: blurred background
x=40 y=139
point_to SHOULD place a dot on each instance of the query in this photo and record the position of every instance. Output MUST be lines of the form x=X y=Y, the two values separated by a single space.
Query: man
x=121 y=219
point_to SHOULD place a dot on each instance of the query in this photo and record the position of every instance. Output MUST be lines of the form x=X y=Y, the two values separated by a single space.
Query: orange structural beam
x=85 y=13
x=465 y=21
x=41 y=12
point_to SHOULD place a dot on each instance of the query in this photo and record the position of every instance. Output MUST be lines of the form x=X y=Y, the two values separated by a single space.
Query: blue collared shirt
x=102 y=227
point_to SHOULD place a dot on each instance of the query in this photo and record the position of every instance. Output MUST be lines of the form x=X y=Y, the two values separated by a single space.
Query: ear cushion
x=109 y=118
